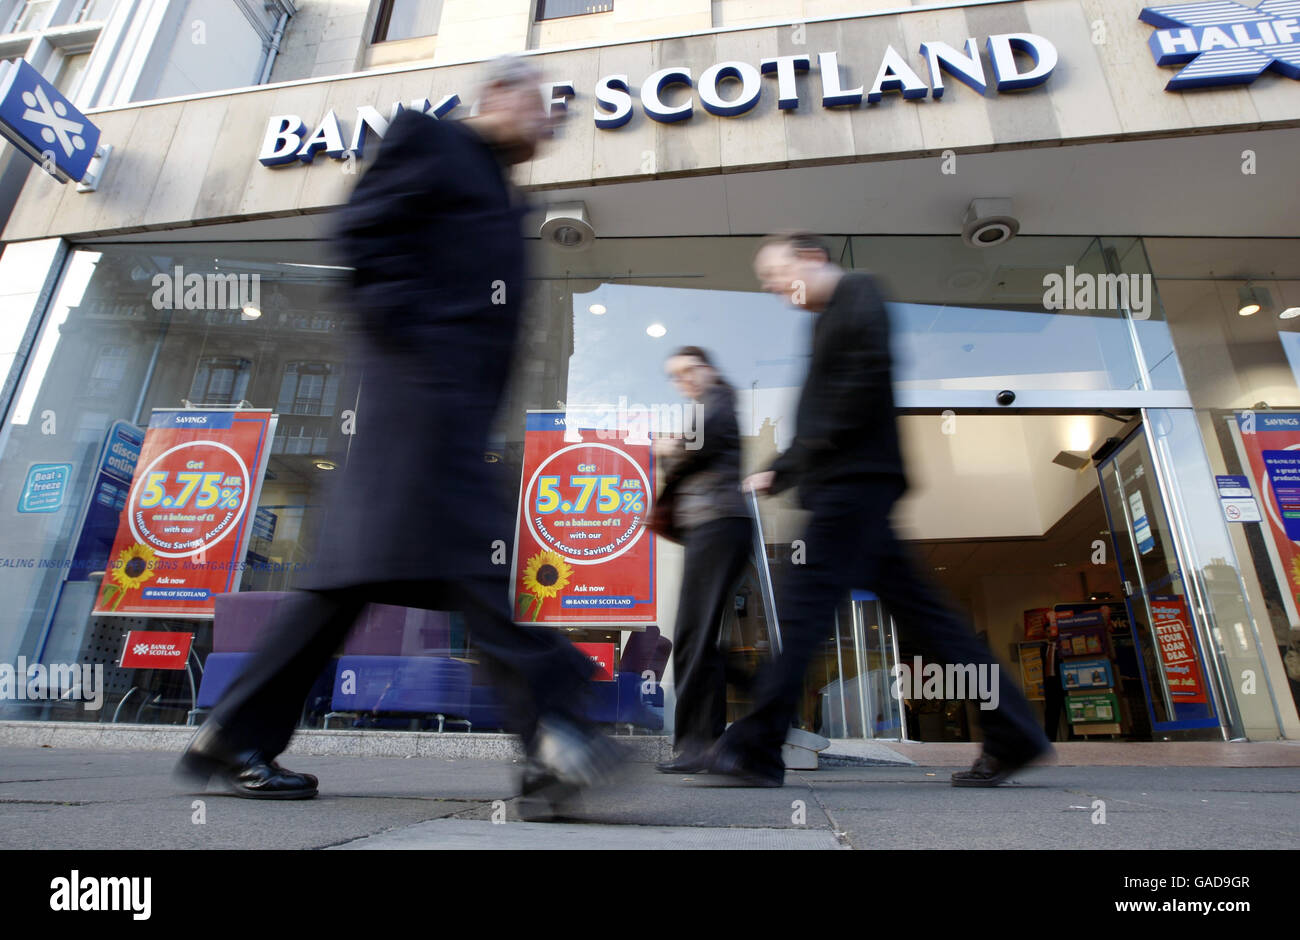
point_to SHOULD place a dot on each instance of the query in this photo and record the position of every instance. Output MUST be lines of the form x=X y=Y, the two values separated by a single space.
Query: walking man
x=432 y=232
x=846 y=461
x=707 y=513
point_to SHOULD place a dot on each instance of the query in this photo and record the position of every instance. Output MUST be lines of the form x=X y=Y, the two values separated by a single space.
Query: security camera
x=567 y=226
x=988 y=222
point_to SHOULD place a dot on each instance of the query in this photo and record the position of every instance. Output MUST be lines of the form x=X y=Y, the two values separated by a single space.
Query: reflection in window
x=108 y=372
x=308 y=388
x=554 y=9
x=300 y=439
x=407 y=19
x=220 y=381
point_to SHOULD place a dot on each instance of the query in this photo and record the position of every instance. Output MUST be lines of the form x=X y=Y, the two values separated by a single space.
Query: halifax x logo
x=53 y=120
x=1224 y=42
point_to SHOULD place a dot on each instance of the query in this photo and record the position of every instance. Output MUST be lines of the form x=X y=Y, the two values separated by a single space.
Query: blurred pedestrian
x=847 y=464
x=432 y=232
x=705 y=511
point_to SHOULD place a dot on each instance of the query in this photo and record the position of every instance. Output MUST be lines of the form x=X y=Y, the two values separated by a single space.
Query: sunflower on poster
x=134 y=566
x=545 y=575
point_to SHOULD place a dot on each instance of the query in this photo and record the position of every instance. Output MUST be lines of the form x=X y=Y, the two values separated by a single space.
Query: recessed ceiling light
x=1290 y=313
x=656 y=330
x=326 y=465
x=1060 y=564
x=597 y=309
x=249 y=312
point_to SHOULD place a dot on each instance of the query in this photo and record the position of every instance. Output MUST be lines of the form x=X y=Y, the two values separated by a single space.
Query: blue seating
x=402 y=685
x=622 y=702
x=219 y=671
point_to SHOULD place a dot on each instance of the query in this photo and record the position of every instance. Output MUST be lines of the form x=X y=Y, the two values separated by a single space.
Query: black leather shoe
x=990 y=771
x=727 y=763
x=249 y=774
x=687 y=763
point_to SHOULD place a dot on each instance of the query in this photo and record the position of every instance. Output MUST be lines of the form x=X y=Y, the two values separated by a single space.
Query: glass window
x=554 y=9
x=308 y=388
x=109 y=370
x=95 y=10
x=34 y=14
x=69 y=80
x=407 y=19
x=220 y=381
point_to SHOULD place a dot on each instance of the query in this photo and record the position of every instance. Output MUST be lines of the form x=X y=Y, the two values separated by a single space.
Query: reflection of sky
x=759 y=341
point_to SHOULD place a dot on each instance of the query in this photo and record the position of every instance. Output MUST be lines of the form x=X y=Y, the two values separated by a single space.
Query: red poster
x=1177 y=649
x=602 y=657
x=151 y=649
x=180 y=539
x=582 y=552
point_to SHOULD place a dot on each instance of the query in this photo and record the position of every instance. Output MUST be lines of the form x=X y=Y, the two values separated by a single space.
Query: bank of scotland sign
x=43 y=124
x=1220 y=42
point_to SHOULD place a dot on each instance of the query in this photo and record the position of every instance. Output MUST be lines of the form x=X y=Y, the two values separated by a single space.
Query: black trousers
x=536 y=671
x=716 y=553
x=849 y=543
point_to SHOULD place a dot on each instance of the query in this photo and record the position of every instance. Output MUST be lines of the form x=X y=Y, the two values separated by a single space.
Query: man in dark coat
x=847 y=464
x=432 y=232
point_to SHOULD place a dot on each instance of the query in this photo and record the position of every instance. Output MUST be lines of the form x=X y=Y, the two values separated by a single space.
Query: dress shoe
x=727 y=763
x=990 y=771
x=249 y=773
x=564 y=758
x=688 y=762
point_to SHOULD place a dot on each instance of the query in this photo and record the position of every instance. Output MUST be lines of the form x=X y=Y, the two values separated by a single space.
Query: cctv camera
x=989 y=222
x=567 y=226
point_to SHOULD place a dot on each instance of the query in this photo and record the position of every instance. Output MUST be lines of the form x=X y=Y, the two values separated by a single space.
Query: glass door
x=1164 y=621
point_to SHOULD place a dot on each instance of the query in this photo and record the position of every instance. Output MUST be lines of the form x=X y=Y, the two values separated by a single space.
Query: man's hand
x=758 y=482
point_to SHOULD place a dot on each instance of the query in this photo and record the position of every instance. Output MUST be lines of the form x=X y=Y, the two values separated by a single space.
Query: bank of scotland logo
x=43 y=124
x=1225 y=43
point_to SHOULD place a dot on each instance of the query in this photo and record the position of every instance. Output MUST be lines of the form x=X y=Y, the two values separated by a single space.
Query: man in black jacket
x=432 y=234
x=847 y=464
x=707 y=513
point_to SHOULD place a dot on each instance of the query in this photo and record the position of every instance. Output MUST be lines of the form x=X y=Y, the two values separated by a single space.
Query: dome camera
x=989 y=222
x=567 y=226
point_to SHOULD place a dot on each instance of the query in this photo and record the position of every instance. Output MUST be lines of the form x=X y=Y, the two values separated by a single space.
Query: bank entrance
x=1051 y=533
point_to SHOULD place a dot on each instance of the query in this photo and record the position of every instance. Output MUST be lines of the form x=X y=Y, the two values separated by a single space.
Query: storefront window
x=139 y=327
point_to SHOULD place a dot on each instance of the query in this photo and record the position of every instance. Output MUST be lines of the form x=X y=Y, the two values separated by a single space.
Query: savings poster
x=180 y=539
x=1271 y=443
x=582 y=552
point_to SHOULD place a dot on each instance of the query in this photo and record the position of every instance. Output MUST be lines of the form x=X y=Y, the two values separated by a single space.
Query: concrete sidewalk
x=76 y=798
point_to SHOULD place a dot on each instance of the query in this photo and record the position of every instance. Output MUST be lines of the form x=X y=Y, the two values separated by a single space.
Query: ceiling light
x=1251 y=300
x=656 y=330
x=249 y=312
x=597 y=309
x=326 y=465
x=1290 y=313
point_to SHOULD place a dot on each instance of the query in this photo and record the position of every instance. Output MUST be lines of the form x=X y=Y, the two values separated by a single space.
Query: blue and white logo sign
x=43 y=124
x=1225 y=43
